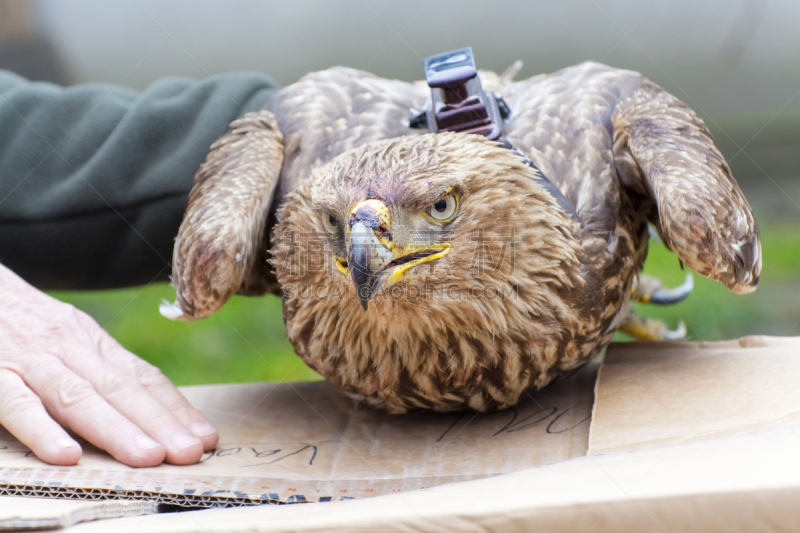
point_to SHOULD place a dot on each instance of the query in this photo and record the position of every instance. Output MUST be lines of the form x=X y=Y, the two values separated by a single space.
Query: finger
x=24 y=416
x=73 y=402
x=159 y=394
x=161 y=389
x=129 y=397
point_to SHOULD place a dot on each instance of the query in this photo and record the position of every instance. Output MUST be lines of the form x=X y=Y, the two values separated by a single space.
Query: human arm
x=93 y=184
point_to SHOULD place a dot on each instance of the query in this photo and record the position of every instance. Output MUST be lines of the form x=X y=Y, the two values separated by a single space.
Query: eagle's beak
x=371 y=246
x=373 y=259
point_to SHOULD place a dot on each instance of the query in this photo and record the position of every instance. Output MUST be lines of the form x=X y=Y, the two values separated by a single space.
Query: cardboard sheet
x=668 y=393
x=690 y=437
x=740 y=484
x=309 y=442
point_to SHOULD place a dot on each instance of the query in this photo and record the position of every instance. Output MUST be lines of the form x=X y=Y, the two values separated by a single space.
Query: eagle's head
x=430 y=271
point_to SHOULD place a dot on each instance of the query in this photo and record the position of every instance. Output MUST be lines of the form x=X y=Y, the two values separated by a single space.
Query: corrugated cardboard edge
x=102 y=495
x=43 y=483
x=46 y=519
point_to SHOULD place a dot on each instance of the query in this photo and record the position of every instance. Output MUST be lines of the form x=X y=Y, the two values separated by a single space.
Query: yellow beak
x=373 y=259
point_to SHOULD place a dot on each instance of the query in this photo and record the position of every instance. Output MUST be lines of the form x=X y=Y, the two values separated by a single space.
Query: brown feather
x=702 y=214
x=220 y=247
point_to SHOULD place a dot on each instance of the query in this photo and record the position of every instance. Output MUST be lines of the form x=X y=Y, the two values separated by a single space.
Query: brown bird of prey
x=460 y=268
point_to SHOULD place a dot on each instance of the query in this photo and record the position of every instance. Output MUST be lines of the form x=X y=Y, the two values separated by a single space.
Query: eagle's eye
x=329 y=223
x=443 y=210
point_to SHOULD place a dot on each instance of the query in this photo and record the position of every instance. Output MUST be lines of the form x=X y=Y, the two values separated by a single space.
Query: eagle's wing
x=220 y=248
x=599 y=133
x=663 y=150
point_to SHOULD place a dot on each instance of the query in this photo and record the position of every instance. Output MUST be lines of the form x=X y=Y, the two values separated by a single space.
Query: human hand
x=59 y=369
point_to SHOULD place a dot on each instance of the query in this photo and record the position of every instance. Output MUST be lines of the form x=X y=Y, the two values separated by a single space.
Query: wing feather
x=221 y=248
x=664 y=150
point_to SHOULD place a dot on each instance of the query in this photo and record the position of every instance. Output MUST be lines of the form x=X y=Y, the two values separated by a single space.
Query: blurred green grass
x=246 y=340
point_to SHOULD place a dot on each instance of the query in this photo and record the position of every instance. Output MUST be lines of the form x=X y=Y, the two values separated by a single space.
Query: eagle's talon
x=649 y=329
x=669 y=296
x=648 y=290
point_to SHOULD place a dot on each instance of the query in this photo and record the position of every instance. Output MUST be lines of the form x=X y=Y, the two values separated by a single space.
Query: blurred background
x=735 y=62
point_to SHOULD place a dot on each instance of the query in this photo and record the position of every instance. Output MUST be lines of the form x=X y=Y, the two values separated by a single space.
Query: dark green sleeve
x=94 y=179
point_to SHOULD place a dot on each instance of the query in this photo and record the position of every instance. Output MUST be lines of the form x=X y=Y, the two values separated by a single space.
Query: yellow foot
x=648 y=290
x=648 y=329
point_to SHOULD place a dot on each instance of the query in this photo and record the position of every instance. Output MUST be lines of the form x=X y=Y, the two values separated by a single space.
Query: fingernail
x=182 y=441
x=145 y=443
x=201 y=429
x=63 y=444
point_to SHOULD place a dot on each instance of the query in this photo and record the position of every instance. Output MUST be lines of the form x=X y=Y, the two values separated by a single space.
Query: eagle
x=460 y=268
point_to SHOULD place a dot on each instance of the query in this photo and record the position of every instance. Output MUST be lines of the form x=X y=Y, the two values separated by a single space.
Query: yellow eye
x=329 y=223
x=443 y=210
